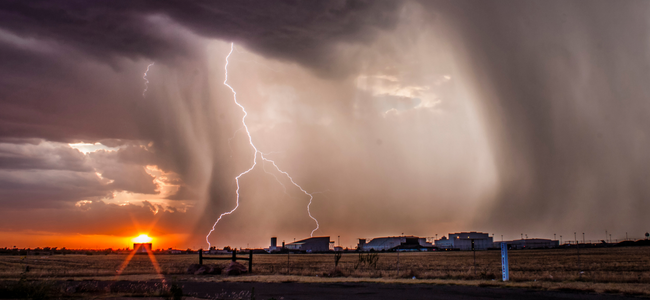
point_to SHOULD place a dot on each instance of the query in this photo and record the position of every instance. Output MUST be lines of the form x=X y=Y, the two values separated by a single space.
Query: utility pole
x=579 y=265
x=474 y=250
x=554 y=237
x=583 y=237
x=560 y=240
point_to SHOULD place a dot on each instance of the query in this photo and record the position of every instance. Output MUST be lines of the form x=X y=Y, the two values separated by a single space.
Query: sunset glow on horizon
x=143 y=238
x=90 y=241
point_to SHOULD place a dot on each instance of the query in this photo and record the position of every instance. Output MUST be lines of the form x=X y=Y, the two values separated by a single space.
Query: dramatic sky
x=414 y=117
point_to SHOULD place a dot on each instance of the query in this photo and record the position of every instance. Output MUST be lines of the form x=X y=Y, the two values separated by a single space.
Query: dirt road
x=317 y=291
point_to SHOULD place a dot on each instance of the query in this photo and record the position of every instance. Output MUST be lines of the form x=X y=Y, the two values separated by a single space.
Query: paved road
x=362 y=291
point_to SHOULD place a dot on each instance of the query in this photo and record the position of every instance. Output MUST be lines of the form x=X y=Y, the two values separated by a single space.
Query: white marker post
x=504 y=262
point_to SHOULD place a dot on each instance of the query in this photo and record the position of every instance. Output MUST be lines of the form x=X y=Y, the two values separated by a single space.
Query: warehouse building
x=395 y=243
x=530 y=244
x=464 y=240
x=314 y=244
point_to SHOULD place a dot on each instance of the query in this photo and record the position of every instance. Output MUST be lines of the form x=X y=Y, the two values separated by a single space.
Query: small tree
x=337 y=257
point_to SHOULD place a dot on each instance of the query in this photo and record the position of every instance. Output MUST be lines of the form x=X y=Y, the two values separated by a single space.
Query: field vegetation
x=614 y=270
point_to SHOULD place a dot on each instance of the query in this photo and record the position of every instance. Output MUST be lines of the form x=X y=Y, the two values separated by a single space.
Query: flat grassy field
x=610 y=270
x=624 y=264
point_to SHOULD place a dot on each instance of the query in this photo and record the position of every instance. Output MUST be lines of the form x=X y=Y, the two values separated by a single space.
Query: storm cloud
x=416 y=117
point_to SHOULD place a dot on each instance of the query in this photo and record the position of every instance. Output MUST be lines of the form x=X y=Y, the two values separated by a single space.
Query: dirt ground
x=190 y=289
x=360 y=290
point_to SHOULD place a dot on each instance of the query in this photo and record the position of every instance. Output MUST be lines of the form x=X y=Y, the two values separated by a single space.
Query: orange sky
x=84 y=241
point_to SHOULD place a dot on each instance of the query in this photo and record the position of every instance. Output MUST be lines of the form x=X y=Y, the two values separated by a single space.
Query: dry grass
x=88 y=265
x=606 y=270
x=629 y=265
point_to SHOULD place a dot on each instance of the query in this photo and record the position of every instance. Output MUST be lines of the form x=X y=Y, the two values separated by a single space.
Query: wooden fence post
x=250 y=261
x=234 y=255
x=200 y=256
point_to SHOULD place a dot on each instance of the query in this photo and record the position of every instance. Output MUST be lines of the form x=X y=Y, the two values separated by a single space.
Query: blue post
x=505 y=270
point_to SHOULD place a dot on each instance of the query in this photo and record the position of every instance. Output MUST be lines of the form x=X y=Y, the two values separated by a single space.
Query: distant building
x=314 y=244
x=463 y=241
x=274 y=246
x=530 y=244
x=142 y=247
x=214 y=250
x=397 y=243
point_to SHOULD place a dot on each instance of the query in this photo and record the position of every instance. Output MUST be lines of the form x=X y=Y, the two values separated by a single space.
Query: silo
x=362 y=242
x=274 y=242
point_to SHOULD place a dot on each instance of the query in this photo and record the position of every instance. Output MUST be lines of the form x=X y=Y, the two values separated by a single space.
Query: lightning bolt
x=311 y=197
x=250 y=141
x=146 y=81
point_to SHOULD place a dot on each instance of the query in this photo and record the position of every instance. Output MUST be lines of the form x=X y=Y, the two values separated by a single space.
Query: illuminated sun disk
x=143 y=238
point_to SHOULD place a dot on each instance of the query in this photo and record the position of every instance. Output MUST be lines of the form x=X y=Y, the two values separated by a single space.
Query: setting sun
x=143 y=238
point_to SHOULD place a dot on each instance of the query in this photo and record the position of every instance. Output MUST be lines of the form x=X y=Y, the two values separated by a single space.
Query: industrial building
x=142 y=247
x=464 y=240
x=274 y=246
x=530 y=244
x=314 y=244
x=395 y=243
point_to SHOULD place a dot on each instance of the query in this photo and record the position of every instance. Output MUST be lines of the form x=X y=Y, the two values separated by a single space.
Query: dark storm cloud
x=102 y=29
x=564 y=87
x=53 y=77
x=302 y=31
